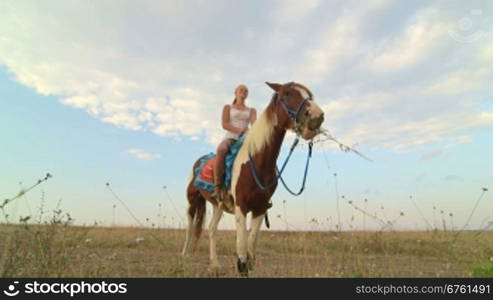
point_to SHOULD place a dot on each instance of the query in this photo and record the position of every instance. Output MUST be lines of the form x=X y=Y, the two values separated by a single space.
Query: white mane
x=258 y=137
x=259 y=134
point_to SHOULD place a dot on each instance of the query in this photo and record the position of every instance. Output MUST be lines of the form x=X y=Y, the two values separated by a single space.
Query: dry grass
x=57 y=249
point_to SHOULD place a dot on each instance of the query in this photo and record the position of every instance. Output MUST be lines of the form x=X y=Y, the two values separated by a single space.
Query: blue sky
x=131 y=93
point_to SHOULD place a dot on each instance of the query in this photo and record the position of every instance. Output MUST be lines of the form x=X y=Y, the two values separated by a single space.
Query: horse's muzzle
x=314 y=124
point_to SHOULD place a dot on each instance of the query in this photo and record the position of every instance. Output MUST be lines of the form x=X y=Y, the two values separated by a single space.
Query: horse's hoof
x=250 y=262
x=242 y=268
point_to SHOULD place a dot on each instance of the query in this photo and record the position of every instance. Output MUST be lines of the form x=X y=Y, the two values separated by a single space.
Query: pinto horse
x=291 y=108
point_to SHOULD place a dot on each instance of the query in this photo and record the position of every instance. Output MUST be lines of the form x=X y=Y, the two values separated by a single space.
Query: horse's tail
x=196 y=209
x=199 y=217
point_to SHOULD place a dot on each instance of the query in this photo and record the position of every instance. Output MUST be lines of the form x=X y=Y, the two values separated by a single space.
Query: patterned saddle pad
x=204 y=173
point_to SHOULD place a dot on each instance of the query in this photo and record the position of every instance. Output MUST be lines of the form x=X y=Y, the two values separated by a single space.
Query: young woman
x=235 y=120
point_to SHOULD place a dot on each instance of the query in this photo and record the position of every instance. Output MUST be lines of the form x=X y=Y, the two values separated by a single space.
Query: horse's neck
x=269 y=155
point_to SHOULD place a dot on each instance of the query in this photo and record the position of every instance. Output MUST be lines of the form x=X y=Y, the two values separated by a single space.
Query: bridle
x=292 y=114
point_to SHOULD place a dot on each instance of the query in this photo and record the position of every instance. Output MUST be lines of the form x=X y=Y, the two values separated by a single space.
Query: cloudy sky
x=130 y=92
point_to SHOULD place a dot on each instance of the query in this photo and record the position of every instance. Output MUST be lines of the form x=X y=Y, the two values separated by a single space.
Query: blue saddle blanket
x=208 y=185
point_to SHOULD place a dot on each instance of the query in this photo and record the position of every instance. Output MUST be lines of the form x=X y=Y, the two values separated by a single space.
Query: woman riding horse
x=235 y=120
x=292 y=107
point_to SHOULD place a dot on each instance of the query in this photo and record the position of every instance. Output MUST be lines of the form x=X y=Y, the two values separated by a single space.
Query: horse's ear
x=274 y=86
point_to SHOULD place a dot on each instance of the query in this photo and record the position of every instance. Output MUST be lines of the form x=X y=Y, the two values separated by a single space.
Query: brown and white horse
x=291 y=108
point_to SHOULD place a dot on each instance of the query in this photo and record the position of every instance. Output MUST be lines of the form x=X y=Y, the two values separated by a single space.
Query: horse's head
x=298 y=109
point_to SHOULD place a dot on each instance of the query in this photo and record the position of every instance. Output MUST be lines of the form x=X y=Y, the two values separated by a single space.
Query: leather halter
x=292 y=114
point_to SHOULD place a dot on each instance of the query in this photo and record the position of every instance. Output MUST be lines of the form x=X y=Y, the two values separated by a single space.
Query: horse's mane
x=259 y=134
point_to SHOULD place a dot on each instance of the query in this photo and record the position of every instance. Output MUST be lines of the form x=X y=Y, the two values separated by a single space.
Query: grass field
x=57 y=249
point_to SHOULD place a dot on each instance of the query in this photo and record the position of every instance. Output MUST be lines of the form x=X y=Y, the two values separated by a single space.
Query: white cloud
x=403 y=119
x=462 y=81
x=169 y=67
x=90 y=103
x=294 y=11
x=416 y=42
x=338 y=43
x=486 y=53
x=442 y=129
x=140 y=154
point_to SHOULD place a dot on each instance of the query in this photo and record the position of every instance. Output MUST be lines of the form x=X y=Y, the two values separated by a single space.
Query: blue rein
x=310 y=146
x=279 y=173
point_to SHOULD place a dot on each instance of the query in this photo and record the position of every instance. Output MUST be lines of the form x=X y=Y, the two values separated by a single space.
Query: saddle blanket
x=204 y=173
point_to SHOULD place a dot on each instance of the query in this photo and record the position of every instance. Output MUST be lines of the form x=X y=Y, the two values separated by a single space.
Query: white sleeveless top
x=238 y=118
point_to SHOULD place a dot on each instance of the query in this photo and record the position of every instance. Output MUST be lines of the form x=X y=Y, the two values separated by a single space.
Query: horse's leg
x=216 y=217
x=189 y=231
x=241 y=241
x=252 y=239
